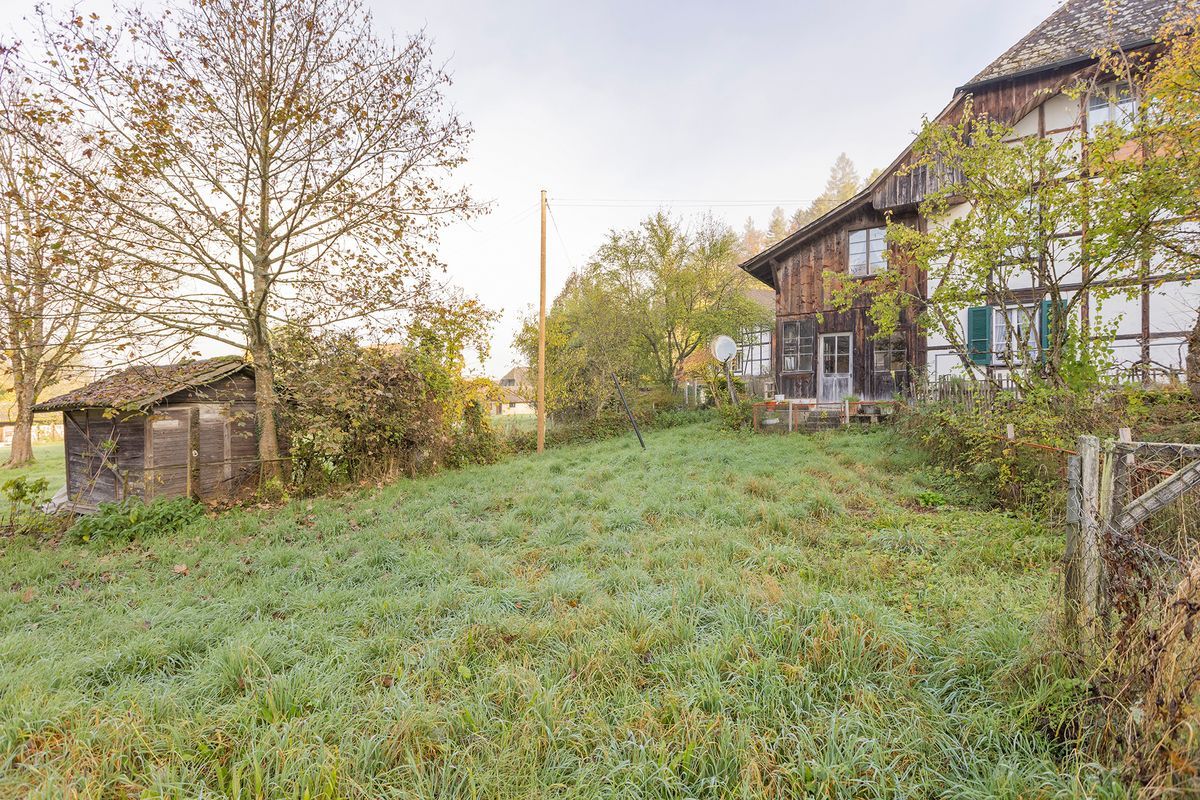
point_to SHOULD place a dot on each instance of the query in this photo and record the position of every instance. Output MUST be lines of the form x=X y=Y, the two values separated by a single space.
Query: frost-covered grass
x=724 y=615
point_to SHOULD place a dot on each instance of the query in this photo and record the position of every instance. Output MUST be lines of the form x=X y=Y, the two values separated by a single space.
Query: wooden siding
x=803 y=292
x=866 y=383
x=149 y=455
x=1006 y=101
x=104 y=456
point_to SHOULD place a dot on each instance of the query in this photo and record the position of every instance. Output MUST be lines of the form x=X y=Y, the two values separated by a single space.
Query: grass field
x=723 y=615
x=48 y=464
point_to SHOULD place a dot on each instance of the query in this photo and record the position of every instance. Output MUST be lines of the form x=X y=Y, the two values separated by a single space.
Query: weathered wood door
x=836 y=365
x=171 y=453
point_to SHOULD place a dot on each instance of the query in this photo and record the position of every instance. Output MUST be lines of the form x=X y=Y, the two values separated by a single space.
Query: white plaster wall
x=1173 y=306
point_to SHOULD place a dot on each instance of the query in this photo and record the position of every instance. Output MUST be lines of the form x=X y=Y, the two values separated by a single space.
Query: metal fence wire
x=1133 y=595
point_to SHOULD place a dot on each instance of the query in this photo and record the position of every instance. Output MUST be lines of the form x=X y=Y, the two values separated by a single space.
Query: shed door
x=836 y=368
x=171 y=453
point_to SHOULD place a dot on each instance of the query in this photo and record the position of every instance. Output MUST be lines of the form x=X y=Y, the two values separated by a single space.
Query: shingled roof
x=1076 y=32
x=136 y=388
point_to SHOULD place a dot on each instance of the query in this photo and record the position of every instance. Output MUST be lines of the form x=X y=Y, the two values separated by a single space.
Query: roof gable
x=136 y=388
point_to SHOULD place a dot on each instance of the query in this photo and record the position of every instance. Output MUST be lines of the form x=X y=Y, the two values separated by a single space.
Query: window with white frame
x=1111 y=104
x=754 y=353
x=867 y=248
x=1015 y=335
x=891 y=355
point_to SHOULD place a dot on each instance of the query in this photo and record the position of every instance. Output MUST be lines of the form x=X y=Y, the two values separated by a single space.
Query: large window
x=1014 y=334
x=1112 y=104
x=798 y=341
x=867 y=247
x=891 y=355
x=754 y=353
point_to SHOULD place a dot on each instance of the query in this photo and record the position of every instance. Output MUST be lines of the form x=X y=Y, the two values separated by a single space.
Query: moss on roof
x=138 y=387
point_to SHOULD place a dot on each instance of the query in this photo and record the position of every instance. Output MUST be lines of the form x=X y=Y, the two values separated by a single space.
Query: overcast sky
x=683 y=103
x=675 y=104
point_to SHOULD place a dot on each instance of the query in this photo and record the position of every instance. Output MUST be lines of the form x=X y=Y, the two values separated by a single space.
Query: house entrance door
x=836 y=368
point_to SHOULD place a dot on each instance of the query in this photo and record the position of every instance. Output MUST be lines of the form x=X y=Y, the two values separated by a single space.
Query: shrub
x=132 y=518
x=353 y=413
x=737 y=417
x=25 y=501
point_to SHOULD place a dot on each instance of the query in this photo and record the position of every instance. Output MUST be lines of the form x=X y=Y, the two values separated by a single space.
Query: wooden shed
x=159 y=432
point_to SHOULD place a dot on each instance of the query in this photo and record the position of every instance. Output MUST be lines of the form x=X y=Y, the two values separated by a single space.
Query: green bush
x=351 y=413
x=738 y=417
x=25 y=499
x=118 y=523
x=969 y=437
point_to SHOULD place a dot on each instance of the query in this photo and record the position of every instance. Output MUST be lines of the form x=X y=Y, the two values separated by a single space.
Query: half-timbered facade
x=825 y=354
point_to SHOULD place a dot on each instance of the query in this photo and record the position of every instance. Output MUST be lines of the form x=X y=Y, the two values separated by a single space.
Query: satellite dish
x=723 y=348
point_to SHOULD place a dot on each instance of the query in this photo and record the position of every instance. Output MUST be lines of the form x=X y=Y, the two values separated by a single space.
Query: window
x=891 y=355
x=1112 y=104
x=1015 y=334
x=867 y=247
x=754 y=353
x=798 y=340
x=835 y=354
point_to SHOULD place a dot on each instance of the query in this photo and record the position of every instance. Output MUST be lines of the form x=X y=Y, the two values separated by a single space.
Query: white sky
x=673 y=104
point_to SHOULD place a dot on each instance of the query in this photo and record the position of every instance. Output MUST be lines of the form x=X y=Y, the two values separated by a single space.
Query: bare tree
x=263 y=161
x=47 y=269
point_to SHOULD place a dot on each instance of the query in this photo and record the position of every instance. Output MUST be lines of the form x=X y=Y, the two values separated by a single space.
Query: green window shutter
x=1045 y=325
x=979 y=334
x=1046 y=321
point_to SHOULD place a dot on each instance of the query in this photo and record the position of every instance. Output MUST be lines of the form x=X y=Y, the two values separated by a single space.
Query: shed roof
x=135 y=388
x=1076 y=31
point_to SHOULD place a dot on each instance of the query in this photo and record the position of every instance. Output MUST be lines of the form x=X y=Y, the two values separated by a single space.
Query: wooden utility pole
x=541 y=369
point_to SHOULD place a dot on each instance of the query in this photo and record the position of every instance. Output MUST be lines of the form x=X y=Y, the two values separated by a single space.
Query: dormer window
x=867 y=247
x=1111 y=104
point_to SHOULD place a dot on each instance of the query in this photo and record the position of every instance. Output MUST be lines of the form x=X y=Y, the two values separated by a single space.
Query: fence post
x=1084 y=559
x=1072 y=573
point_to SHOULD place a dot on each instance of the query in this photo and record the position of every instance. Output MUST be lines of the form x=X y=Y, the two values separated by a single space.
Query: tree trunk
x=265 y=411
x=1193 y=360
x=22 y=441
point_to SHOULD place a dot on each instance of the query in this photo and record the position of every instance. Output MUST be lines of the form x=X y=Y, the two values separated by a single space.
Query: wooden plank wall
x=227 y=438
x=104 y=456
x=803 y=292
x=1006 y=101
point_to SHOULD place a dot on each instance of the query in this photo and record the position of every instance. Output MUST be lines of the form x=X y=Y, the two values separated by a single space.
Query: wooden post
x=1088 y=554
x=192 y=482
x=729 y=383
x=541 y=373
x=1072 y=572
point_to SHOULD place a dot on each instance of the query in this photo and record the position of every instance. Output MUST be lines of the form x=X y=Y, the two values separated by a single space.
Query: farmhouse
x=159 y=432
x=825 y=354
x=515 y=393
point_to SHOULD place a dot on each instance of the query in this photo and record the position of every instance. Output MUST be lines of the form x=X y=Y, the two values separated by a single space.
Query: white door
x=836 y=368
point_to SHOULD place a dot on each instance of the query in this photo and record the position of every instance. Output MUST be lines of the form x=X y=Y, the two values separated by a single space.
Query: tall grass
x=723 y=615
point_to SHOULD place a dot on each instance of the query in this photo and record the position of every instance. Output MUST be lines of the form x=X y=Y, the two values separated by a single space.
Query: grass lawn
x=725 y=615
x=48 y=464
x=509 y=423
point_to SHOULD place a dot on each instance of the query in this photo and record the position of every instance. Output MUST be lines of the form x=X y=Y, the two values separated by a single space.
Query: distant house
x=516 y=393
x=159 y=432
x=828 y=354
